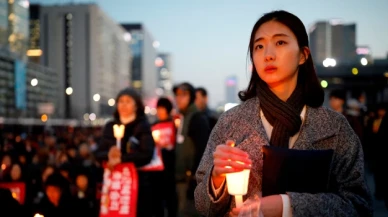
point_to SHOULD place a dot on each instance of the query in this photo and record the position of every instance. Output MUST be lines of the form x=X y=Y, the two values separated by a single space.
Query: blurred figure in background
x=166 y=190
x=192 y=137
x=57 y=201
x=201 y=101
x=137 y=144
x=337 y=101
x=377 y=137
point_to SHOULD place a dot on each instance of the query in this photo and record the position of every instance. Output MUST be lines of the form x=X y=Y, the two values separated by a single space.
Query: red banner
x=164 y=135
x=119 y=191
x=18 y=190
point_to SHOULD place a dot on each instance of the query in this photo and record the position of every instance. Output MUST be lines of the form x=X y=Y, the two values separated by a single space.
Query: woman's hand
x=228 y=159
x=114 y=157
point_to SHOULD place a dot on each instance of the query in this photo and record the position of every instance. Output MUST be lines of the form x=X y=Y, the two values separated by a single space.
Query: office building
x=91 y=55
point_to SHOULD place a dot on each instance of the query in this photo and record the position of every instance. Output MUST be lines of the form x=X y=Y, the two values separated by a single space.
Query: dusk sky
x=208 y=39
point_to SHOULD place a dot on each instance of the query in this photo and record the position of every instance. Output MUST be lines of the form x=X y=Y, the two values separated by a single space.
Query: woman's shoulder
x=327 y=118
x=326 y=113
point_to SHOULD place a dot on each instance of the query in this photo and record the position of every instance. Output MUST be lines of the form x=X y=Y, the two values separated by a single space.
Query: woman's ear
x=304 y=55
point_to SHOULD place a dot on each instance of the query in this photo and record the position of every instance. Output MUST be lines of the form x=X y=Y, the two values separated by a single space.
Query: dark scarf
x=283 y=116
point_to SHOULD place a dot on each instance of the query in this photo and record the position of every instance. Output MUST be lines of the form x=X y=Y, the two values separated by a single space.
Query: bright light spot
x=229 y=106
x=156 y=44
x=111 y=102
x=92 y=116
x=24 y=3
x=177 y=123
x=386 y=74
x=324 y=83
x=69 y=90
x=153 y=111
x=96 y=97
x=159 y=62
x=355 y=71
x=364 y=61
x=34 y=82
x=159 y=91
x=38 y=215
x=86 y=116
x=329 y=62
x=147 y=110
x=44 y=118
x=127 y=36
x=3 y=166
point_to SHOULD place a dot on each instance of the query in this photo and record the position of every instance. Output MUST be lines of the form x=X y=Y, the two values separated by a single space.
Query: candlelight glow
x=238 y=183
x=156 y=135
x=177 y=123
x=118 y=131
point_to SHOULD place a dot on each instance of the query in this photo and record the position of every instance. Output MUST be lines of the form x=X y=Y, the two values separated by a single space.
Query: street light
x=156 y=44
x=111 y=102
x=364 y=61
x=34 y=82
x=96 y=97
x=69 y=90
x=324 y=83
x=329 y=62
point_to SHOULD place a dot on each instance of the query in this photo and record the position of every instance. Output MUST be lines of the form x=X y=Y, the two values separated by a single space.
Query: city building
x=163 y=63
x=231 y=89
x=34 y=52
x=27 y=90
x=333 y=43
x=144 y=71
x=371 y=79
x=14 y=30
x=91 y=55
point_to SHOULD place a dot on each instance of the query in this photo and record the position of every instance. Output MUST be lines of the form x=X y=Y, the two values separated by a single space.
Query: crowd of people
x=62 y=167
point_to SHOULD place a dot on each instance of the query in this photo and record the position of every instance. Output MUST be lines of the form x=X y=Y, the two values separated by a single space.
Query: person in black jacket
x=192 y=137
x=137 y=145
x=165 y=190
x=201 y=101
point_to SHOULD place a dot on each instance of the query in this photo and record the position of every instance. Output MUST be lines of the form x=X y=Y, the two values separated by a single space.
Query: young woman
x=282 y=107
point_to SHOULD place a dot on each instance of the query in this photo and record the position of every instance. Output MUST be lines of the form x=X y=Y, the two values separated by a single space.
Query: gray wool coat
x=322 y=129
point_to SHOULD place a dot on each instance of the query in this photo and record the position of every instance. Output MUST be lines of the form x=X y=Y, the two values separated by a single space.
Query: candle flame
x=156 y=135
x=118 y=131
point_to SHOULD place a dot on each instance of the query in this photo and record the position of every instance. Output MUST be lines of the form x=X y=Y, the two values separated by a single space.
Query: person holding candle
x=165 y=138
x=282 y=107
x=136 y=144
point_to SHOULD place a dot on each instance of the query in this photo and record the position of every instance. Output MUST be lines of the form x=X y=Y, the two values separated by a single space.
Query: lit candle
x=38 y=215
x=118 y=131
x=156 y=135
x=238 y=184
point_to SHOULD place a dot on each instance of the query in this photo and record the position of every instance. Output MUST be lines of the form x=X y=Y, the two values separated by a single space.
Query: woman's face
x=126 y=106
x=54 y=194
x=276 y=55
x=82 y=182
